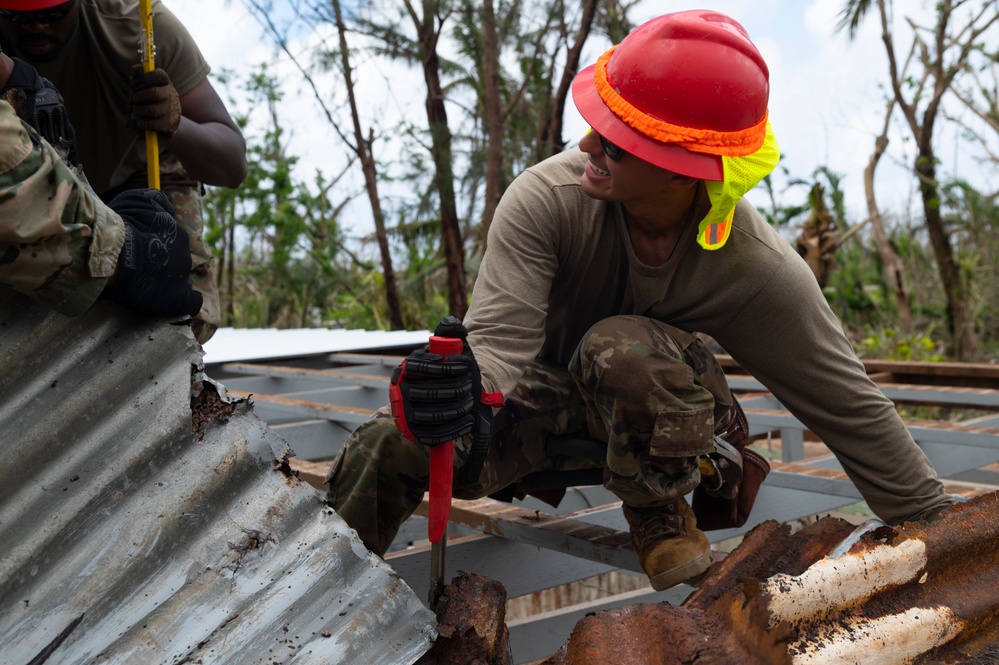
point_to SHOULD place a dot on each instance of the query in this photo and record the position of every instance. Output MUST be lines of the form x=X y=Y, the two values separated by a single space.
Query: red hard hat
x=691 y=79
x=29 y=5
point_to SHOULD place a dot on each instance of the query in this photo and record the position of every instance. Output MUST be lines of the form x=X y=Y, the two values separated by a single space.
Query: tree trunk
x=819 y=238
x=960 y=321
x=940 y=70
x=492 y=117
x=550 y=140
x=363 y=148
x=440 y=136
x=894 y=268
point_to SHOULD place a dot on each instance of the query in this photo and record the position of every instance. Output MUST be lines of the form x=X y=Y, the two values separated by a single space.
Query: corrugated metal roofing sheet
x=129 y=536
x=249 y=344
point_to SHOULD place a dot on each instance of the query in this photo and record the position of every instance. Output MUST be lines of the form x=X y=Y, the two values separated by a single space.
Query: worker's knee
x=377 y=480
x=376 y=456
x=633 y=350
x=622 y=350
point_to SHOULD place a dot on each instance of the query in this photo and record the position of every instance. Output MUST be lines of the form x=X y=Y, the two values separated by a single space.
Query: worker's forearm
x=59 y=244
x=212 y=153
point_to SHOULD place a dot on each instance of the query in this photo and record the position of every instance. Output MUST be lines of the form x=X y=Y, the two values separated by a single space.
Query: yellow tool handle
x=148 y=51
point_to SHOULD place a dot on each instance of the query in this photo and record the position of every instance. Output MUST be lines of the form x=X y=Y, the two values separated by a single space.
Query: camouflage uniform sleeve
x=58 y=242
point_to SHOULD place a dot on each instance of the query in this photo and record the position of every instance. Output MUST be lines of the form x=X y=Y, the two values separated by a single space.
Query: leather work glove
x=154 y=267
x=438 y=398
x=154 y=102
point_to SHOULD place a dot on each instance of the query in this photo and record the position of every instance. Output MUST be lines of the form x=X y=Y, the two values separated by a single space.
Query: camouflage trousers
x=186 y=200
x=652 y=393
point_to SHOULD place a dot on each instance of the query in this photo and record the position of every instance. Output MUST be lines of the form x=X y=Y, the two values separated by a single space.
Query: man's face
x=40 y=36
x=611 y=174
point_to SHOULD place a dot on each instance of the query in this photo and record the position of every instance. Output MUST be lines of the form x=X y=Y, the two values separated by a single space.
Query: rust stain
x=207 y=406
x=919 y=593
x=471 y=628
x=284 y=467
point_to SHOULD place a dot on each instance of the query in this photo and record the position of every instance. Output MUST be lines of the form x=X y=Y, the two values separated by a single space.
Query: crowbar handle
x=148 y=51
x=441 y=476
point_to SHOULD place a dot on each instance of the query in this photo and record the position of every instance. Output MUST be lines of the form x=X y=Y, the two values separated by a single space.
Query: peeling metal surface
x=916 y=594
x=921 y=593
x=472 y=628
x=132 y=533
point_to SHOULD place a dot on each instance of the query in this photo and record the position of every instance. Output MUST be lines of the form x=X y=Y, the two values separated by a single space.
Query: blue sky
x=826 y=100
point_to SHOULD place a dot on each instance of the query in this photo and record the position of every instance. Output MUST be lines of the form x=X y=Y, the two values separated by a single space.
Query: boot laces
x=657 y=523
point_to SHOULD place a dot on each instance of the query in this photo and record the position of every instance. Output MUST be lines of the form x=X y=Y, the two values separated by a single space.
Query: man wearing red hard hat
x=602 y=265
x=90 y=50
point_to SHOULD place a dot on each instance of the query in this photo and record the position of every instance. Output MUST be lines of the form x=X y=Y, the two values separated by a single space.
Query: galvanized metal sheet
x=133 y=533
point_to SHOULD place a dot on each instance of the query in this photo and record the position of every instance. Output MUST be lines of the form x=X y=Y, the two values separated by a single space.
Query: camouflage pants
x=186 y=200
x=654 y=394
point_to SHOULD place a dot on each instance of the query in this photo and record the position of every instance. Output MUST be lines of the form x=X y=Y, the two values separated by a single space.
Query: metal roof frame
x=315 y=402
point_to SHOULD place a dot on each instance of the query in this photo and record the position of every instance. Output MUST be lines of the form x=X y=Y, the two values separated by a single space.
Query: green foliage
x=890 y=344
x=276 y=243
x=281 y=251
x=856 y=289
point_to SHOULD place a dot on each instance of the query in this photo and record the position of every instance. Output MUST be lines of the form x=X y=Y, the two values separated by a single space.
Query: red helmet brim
x=669 y=156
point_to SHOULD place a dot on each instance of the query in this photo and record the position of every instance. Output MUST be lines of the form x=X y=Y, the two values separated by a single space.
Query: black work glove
x=154 y=104
x=154 y=267
x=438 y=398
x=37 y=102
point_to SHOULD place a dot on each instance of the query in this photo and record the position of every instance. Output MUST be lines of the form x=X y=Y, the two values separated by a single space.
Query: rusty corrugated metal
x=471 y=616
x=916 y=594
x=131 y=533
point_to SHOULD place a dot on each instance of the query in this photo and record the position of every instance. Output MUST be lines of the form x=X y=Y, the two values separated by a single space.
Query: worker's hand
x=154 y=104
x=154 y=267
x=438 y=397
x=52 y=121
x=39 y=105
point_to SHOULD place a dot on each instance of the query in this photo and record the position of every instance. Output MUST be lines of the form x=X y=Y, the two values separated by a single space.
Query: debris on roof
x=471 y=628
x=138 y=530
x=919 y=593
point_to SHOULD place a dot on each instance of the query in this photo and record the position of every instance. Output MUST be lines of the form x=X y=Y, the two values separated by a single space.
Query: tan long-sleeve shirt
x=558 y=261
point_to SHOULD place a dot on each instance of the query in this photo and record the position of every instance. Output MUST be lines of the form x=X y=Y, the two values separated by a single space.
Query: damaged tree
x=944 y=50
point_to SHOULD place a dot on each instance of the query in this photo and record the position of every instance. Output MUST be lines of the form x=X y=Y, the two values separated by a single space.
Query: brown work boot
x=669 y=545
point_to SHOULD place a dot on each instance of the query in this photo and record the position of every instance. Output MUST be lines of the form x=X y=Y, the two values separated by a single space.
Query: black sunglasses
x=50 y=15
x=613 y=152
